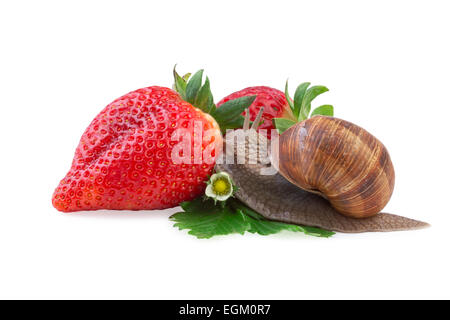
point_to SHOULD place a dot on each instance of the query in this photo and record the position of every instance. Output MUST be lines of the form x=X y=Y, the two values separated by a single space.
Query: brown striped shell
x=341 y=162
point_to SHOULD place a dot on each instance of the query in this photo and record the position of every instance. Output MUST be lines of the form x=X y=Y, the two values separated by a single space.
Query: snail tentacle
x=255 y=123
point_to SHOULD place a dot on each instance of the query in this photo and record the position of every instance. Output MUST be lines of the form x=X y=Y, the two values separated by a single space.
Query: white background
x=386 y=64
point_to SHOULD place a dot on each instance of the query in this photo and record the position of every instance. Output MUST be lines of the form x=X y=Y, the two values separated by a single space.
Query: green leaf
x=198 y=205
x=298 y=98
x=186 y=76
x=208 y=222
x=230 y=110
x=266 y=227
x=238 y=205
x=324 y=110
x=282 y=124
x=204 y=98
x=212 y=108
x=262 y=226
x=193 y=86
x=288 y=98
x=310 y=95
x=179 y=84
x=205 y=219
x=317 y=232
x=235 y=123
x=193 y=91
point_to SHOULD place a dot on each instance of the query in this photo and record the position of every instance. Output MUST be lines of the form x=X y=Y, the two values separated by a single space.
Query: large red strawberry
x=273 y=100
x=125 y=159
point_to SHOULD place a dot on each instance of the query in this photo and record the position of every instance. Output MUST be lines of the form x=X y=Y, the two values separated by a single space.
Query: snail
x=307 y=192
x=341 y=162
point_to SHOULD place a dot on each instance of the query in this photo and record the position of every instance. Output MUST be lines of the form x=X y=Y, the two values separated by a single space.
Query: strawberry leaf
x=266 y=227
x=298 y=98
x=209 y=220
x=204 y=98
x=186 y=76
x=198 y=205
x=310 y=95
x=317 y=232
x=228 y=112
x=205 y=219
x=236 y=123
x=288 y=98
x=262 y=226
x=193 y=86
x=324 y=110
x=301 y=107
x=179 y=84
x=283 y=124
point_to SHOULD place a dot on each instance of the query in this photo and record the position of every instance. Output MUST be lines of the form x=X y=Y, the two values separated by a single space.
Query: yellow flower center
x=221 y=186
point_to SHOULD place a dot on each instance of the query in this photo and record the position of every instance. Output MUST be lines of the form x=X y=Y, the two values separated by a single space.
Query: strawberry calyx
x=301 y=106
x=197 y=92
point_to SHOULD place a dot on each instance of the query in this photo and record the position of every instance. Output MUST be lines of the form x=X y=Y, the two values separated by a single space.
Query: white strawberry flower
x=220 y=187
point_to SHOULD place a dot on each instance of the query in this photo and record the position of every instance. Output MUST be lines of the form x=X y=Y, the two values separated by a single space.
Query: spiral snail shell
x=341 y=162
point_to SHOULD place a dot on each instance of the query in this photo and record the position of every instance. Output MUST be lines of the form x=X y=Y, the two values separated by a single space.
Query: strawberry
x=273 y=100
x=125 y=159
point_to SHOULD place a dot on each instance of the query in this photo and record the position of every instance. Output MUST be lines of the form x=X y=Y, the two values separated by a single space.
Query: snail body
x=340 y=161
